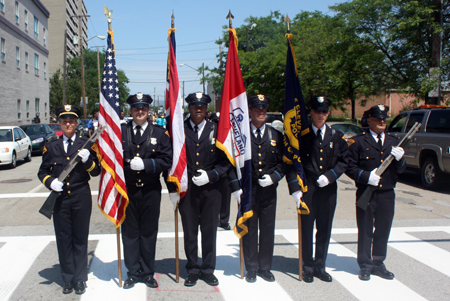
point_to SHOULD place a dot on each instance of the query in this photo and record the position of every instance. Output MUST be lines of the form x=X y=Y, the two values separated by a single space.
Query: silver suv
x=429 y=149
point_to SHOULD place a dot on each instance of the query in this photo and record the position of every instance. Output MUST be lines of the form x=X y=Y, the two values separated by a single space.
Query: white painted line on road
x=347 y=275
x=228 y=273
x=37 y=188
x=42 y=194
x=16 y=258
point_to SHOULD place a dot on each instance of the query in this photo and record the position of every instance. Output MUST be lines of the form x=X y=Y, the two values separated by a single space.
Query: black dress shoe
x=266 y=275
x=324 y=276
x=150 y=281
x=383 y=273
x=67 y=288
x=308 y=277
x=80 y=288
x=364 y=275
x=225 y=226
x=130 y=282
x=209 y=279
x=191 y=280
x=251 y=276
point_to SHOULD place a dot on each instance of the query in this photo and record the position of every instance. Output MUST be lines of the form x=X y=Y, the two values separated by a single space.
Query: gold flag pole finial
x=230 y=18
x=173 y=20
x=108 y=15
x=288 y=21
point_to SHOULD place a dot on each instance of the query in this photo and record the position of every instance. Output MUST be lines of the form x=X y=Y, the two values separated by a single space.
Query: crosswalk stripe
x=43 y=194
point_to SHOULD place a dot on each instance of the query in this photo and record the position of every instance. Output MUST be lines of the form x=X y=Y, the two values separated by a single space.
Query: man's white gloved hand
x=84 y=154
x=397 y=152
x=297 y=195
x=175 y=199
x=322 y=181
x=265 y=181
x=56 y=185
x=373 y=178
x=137 y=164
x=237 y=195
x=202 y=179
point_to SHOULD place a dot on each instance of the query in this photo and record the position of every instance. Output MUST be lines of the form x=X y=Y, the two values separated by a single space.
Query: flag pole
x=177 y=254
x=230 y=18
x=300 y=248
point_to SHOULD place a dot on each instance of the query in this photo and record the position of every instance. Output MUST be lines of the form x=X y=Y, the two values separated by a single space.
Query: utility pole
x=203 y=69
x=65 y=67
x=435 y=52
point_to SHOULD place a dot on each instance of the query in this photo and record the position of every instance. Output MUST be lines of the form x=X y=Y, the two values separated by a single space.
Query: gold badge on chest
x=153 y=141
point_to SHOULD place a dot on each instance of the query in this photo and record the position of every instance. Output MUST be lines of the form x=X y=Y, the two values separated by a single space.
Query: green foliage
x=73 y=83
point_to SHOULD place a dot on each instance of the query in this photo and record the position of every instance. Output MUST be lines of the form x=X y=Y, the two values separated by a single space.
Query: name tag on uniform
x=153 y=141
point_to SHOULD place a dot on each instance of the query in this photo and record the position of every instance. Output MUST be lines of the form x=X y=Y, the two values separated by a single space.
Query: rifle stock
x=364 y=198
x=49 y=204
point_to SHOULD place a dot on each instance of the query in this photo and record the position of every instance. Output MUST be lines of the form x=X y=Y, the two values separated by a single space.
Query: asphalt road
x=418 y=252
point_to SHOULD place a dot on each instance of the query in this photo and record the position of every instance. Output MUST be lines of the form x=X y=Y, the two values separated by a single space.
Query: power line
x=167 y=46
x=165 y=53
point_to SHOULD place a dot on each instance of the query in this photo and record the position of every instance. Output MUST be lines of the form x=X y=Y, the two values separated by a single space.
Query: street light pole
x=65 y=67
x=203 y=73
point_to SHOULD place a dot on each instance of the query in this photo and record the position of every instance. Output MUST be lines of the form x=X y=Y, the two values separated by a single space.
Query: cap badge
x=139 y=95
x=67 y=108
x=199 y=95
x=320 y=99
x=261 y=97
x=381 y=107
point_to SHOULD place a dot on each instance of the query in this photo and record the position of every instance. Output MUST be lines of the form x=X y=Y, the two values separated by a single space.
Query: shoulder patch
x=94 y=147
x=45 y=149
x=167 y=133
x=351 y=141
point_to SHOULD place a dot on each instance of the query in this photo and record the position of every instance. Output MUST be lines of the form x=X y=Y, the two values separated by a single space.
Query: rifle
x=364 y=199
x=49 y=204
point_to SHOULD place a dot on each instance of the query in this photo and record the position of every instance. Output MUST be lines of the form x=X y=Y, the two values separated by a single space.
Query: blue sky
x=140 y=34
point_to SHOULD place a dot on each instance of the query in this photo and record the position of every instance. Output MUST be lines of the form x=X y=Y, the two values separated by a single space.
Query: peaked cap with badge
x=68 y=111
x=259 y=101
x=319 y=103
x=139 y=100
x=198 y=99
x=378 y=111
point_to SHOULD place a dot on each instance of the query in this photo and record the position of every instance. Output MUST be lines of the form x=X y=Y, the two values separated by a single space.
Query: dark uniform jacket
x=365 y=155
x=55 y=159
x=156 y=153
x=330 y=158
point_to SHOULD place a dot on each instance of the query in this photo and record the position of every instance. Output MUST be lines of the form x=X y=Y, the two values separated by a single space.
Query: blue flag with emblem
x=295 y=121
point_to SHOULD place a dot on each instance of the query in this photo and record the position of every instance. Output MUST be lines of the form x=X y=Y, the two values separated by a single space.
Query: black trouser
x=264 y=205
x=322 y=204
x=140 y=229
x=71 y=218
x=372 y=245
x=200 y=207
x=226 y=202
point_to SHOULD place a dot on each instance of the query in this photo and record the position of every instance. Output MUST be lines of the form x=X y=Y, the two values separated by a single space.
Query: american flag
x=112 y=197
x=174 y=114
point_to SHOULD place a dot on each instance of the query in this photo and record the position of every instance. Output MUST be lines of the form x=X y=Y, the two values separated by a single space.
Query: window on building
x=36 y=27
x=2 y=5
x=27 y=109
x=17 y=57
x=25 y=16
x=26 y=61
x=36 y=105
x=45 y=70
x=2 y=43
x=17 y=12
x=43 y=37
x=36 y=64
x=18 y=109
x=45 y=108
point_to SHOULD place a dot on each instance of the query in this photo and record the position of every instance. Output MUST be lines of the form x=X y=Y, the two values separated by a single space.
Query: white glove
x=175 y=199
x=84 y=154
x=265 y=181
x=237 y=195
x=373 y=178
x=323 y=181
x=137 y=164
x=297 y=195
x=202 y=179
x=56 y=185
x=397 y=152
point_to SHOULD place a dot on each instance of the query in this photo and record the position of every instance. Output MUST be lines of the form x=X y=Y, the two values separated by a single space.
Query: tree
x=73 y=84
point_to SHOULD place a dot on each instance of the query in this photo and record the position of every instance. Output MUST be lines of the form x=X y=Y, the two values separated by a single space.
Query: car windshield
x=6 y=135
x=55 y=127
x=347 y=128
x=34 y=130
x=271 y=117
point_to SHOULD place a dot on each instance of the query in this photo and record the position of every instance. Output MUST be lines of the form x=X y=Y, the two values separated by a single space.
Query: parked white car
x=14 y=145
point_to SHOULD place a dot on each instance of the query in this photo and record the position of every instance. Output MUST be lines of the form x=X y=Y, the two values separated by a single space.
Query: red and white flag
x=174 y=115
x=112 y=196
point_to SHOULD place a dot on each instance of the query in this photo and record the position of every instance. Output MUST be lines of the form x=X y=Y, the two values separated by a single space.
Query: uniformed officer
x=72 y=209
x=200 y=206
x=324 y=158
x=366 y=153
x=147 y=152
x=268 y=169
